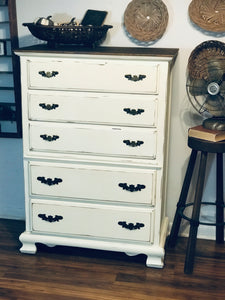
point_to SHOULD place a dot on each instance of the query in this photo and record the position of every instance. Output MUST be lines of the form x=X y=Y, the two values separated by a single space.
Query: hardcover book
x=200 y=132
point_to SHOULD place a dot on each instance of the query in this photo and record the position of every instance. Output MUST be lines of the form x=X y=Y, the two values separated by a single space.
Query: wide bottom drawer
x=94 y=220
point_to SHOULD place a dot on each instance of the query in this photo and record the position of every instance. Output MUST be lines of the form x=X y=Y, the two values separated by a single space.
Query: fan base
x=214 y=123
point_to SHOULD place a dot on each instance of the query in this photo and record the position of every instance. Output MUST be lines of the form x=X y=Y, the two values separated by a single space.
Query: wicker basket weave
x=208 y=14
x=208 y=52
x=146 y=20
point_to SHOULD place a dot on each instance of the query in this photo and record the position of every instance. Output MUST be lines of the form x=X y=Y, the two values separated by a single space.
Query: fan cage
x=206 y=79
x=201 y=55
x=196 y=104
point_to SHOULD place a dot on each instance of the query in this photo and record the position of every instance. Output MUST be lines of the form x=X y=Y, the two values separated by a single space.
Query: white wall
x=180 y=34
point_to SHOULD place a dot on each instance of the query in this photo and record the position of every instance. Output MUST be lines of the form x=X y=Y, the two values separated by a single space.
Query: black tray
x=89 y=36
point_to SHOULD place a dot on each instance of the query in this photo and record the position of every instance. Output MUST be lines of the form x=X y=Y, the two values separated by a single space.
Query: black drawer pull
x=49 y=181
x=132 y=187
x=133 y=143
x=48 y=106
x=48 y=74
x=49 y=138
x=131 y=226
x=135 y=77
x=50 y=218
x=134 y=112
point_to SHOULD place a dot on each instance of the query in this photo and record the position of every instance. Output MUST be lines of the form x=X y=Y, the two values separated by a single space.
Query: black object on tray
x=90 y=36
x=94 y=17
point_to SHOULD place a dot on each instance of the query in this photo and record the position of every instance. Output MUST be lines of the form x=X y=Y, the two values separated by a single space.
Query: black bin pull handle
x=50 y=218
x=48 y=74
x=132 y=187
x=133 y=111
x=131 y=226
x=135 y=78
x=49 y=181
x=133 y=143
x=49 y=138
x=48 y=106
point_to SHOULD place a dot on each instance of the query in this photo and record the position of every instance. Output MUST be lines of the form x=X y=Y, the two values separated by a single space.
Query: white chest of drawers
x=95 y=134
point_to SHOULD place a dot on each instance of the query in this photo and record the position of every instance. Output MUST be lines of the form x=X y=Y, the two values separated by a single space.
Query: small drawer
x=93 y=139
x=94 y=221
x=94 y=75
x=98 y=108
x=93 y=183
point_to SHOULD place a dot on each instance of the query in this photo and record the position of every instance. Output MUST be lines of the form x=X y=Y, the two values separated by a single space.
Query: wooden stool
x=204 y=147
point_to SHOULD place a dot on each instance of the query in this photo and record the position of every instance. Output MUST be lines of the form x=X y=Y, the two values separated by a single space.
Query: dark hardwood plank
x=73 y=273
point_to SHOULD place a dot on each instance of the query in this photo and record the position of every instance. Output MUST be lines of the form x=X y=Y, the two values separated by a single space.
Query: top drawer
x=94 y=75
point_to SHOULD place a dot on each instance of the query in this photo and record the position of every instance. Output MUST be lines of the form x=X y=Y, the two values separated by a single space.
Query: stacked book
x=200 y=132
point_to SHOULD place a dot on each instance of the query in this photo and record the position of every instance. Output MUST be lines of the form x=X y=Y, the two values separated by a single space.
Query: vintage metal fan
x=206 y=82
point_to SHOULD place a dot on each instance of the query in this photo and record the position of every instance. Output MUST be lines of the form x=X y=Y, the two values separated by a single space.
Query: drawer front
x=95 y=221
x=93 y=108
x=99 y=140
x=95 y=183
x=94 y=75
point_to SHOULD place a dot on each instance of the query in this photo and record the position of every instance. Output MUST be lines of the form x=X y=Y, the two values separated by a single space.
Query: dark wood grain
x=161 y=53
x=74 y=273
x=139 y=51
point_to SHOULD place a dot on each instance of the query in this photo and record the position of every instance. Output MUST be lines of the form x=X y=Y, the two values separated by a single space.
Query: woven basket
x=208 y=14
x=146 y=20
x=206 y=54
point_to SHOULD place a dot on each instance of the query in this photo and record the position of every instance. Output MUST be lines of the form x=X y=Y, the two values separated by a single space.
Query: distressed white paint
x=88 y=163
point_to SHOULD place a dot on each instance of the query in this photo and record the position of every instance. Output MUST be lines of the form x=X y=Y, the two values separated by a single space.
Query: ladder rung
x=6 y=72
x=6 y=88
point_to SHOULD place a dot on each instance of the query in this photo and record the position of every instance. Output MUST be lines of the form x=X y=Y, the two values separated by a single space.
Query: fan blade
x=215 y=105
x=222 y=79
x=216 y=70
x=197 y=87
x=222 y=87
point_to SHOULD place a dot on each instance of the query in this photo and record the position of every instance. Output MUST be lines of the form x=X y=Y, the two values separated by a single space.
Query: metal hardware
x=134 y=111
x=48 y=106
x=48 y=74
x=50 y=218
x=49 y=181
x=132 y=187
x=133 y=143
x=49 y=138
x=135 y=77
x=131 y=226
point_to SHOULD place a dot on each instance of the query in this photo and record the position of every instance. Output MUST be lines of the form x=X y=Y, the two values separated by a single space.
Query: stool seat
x=204 y=147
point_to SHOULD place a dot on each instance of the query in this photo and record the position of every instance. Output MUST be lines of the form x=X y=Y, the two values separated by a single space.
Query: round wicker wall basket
x=208 y=14
x=146 y=20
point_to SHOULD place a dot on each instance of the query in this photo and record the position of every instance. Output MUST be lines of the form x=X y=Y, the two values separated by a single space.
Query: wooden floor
x=73 y=273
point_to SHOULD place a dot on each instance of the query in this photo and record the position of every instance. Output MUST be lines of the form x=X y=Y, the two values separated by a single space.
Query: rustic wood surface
x=72 y=273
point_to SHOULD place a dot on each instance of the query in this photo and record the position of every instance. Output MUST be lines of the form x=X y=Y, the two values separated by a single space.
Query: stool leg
x=182 y=200
x=219 y=199
x=194 y=223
